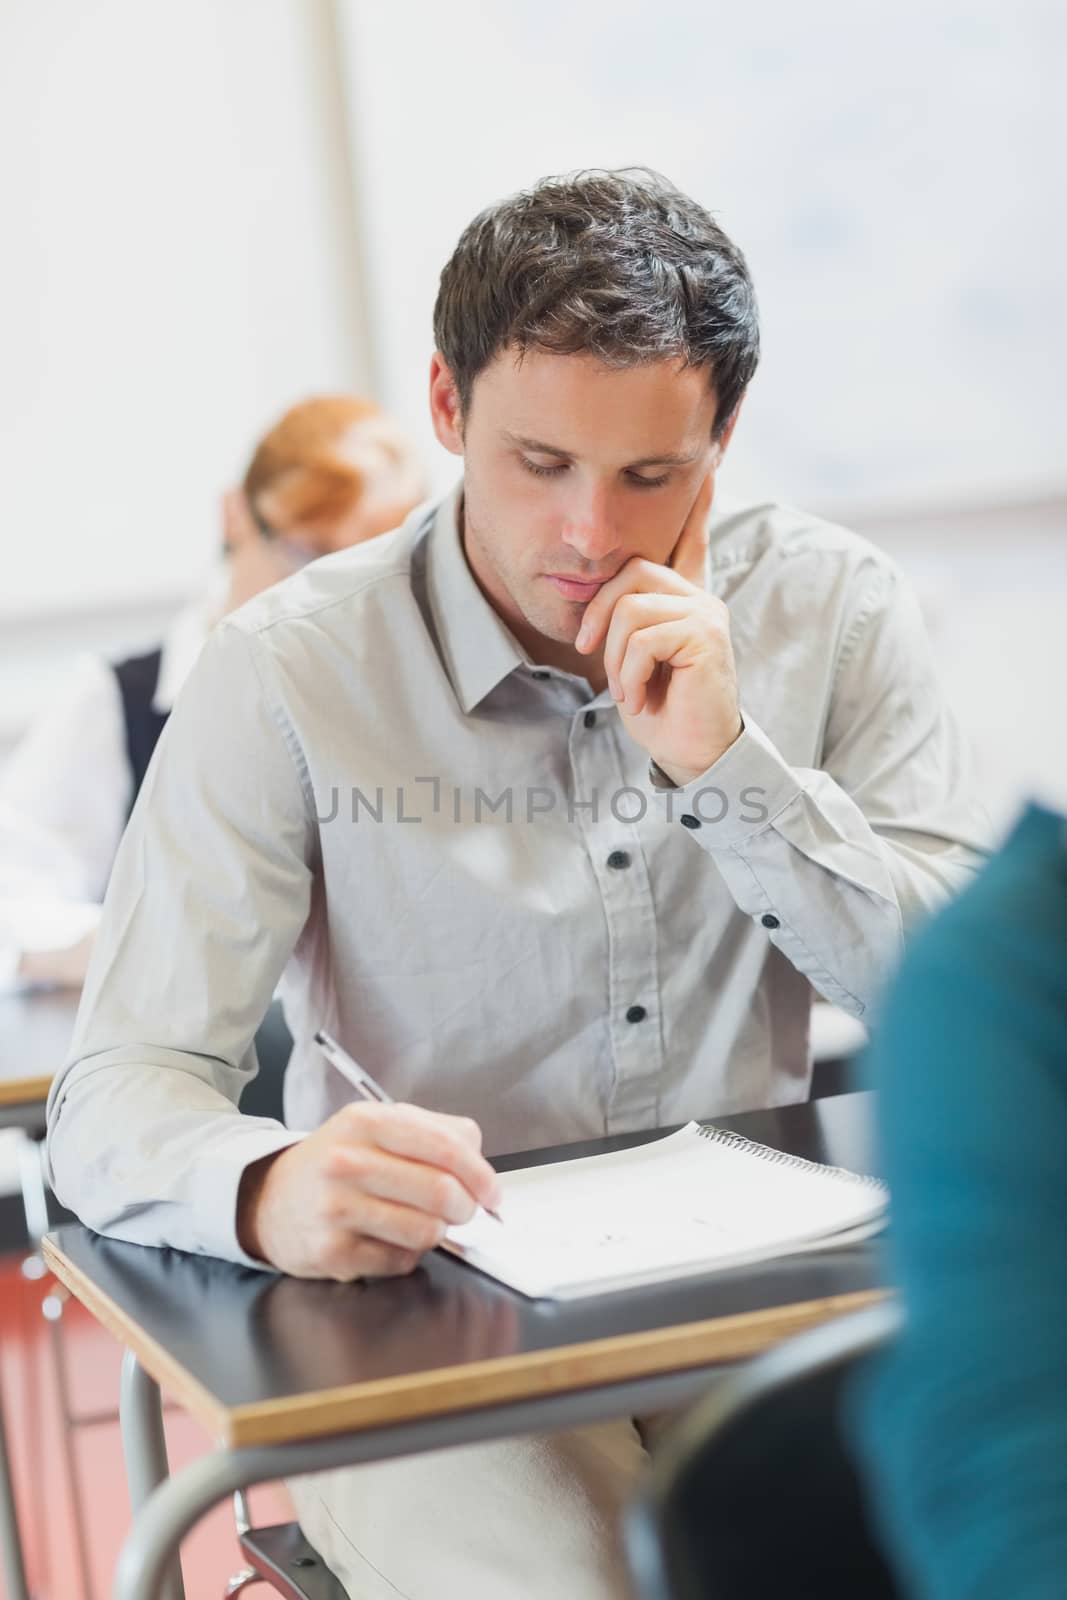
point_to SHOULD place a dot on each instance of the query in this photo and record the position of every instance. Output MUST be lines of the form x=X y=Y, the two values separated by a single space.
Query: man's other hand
x=667 y=652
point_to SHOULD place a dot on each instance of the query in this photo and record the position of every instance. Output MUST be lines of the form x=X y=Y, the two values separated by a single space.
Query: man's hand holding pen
x=366 y=1194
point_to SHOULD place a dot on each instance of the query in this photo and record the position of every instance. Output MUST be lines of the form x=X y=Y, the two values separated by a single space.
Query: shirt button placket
x=618 y=862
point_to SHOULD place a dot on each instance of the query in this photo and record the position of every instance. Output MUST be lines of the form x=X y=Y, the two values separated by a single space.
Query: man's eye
x=543 y=472
x=648 y=483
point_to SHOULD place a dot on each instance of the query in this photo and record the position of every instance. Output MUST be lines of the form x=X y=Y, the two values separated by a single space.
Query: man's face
x=570 y=469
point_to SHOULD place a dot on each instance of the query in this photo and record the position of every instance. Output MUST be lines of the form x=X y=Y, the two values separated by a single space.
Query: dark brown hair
x=618 y=265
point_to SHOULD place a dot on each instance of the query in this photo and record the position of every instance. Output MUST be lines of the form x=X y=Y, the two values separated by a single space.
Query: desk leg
x=161 y=1522
x=176 y=1506
x=34 y=1192
x=144 y=1446
x=10 y=1544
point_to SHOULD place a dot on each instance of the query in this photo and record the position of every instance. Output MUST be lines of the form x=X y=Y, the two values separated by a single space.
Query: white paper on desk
x=692 y=1202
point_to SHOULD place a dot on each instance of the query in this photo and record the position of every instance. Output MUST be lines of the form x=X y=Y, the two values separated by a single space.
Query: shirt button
x=590 y=719
x=689 y=821
x=636 y=1014
x=540 y=676
x=619 y=859
x=770 y=921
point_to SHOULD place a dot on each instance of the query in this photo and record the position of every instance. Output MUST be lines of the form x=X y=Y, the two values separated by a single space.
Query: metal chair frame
x=274 y=1554
x=808 y=1355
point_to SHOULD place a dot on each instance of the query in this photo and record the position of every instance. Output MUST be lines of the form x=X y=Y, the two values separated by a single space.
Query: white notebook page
x=679 y=1205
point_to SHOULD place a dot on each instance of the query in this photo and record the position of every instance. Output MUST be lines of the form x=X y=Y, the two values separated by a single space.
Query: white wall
x=993 y=587
x=177 y=270
x=185 y=264
x=893 y=172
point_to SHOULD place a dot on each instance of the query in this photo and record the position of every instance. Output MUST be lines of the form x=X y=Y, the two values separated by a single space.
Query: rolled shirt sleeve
x=210 y=890
x=838 y=862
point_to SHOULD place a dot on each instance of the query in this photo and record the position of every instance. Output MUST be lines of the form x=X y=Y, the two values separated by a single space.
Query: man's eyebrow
x=541 y=448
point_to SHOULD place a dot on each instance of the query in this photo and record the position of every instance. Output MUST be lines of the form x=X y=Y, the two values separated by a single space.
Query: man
x=560 y=799
x=332 y=472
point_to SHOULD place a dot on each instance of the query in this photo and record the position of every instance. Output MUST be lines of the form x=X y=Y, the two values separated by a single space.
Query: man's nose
x=591 y=528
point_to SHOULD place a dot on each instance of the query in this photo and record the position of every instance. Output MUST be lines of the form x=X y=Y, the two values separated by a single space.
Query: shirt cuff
x=737 y=797
x=218 y=1184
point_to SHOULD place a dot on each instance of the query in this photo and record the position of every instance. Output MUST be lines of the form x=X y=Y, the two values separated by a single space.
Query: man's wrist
x=680 y=777
x=674 y=777
x=249 y=1192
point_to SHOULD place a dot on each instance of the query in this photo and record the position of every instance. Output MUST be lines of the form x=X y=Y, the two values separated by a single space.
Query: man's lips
x=575 y=588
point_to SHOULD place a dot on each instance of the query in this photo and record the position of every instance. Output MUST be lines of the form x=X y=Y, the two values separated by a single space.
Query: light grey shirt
x=465 y=870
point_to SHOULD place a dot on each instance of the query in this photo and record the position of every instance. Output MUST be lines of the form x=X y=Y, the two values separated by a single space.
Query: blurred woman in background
x=332 y=472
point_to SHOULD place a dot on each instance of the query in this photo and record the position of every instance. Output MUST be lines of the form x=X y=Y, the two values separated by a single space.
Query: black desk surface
x=259 y=1358
x=35 y=1034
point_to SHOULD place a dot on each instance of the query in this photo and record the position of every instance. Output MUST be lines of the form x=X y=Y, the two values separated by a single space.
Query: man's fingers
x=637 y=577
x=375 y=1172
x=646 y=650
x=468 y=1129
x=689 y=556
x=427 y=1136
x=352 y=1257
x=636 y=611
x=687 y=564
x=387 y=1223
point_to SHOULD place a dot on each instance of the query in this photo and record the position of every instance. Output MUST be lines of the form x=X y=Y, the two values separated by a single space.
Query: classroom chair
x=281 y=1556
x=754 y=1493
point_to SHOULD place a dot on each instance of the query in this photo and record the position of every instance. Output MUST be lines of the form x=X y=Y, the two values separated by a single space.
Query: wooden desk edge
x=410 y=1396
x=25 y=1091
x=415 y=1396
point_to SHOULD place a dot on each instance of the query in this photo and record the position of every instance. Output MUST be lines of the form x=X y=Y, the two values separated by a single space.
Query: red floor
x=28 y=1377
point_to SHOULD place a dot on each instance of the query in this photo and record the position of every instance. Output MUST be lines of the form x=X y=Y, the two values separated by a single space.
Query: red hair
x=300 y=463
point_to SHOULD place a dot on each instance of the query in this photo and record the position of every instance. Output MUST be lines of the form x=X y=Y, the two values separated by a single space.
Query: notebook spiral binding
x=738 y=1141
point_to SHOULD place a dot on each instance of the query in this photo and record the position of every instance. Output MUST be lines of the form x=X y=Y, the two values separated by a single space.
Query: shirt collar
x=478 y=649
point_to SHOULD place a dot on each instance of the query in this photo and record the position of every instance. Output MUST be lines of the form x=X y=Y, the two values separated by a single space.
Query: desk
x=35 y=1032
x=293 y=1376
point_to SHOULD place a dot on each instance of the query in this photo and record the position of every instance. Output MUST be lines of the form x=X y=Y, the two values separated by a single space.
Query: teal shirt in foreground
x=964 y=1426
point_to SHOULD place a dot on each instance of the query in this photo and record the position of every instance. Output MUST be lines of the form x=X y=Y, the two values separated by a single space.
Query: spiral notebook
x=696 y=1201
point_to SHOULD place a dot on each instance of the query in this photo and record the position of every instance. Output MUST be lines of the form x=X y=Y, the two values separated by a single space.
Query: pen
x=362 y=1081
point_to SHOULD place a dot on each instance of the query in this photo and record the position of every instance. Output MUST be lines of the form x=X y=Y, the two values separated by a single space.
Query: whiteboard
x=894 y=174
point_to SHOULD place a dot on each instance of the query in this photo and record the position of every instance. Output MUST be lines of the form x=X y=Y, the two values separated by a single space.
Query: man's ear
x=727 y=432
x=445 y=411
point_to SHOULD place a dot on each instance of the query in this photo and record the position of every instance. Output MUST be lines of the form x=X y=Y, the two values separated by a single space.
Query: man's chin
x=560 y=626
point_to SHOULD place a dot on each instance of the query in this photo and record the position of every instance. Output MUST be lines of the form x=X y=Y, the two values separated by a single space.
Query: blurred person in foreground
x=554 y=804
x=331 y=473
x=963 y=1423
